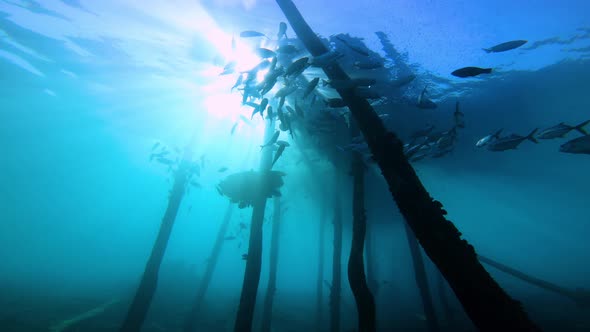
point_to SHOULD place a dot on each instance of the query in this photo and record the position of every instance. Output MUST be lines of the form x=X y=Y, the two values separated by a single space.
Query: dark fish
x=404 y=80
x=487 y=139
x=238 y=82
x=580 y=145
x=282 y=30
x=278 y=154
x=507 y=46
x=286 y=90
x=282 y=102
x=422 y=132
x=272 y=140
x=264 y=64
x=447 y=140
x=165 y=161
x=291 y=110
x=458 y=115
x=222 y=169
x=471 y=71
x=335 y=102
x=357 y=49
x=299 y=111
x=245 y=257
x=264 y=53
x=511 y=142
x=269 y=112
x=368 y=65
x=326 y=59
x=561 y=129
x=251 y=33
x=350 y=84
x=262 y=106
x=297 y=67
x=424 y=102
x=310 y=87
x=287 y=49
x=229 y=68
x=285 y=143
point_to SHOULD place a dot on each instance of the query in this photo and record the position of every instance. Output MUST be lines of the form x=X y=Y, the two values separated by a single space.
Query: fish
x=310 y=87
x=272 y=140
x=313 y=99
x=507 y=46
x=251 y=34
x=487 y=139
x=297 y=67
x=245 y=257
x=155 y=145
x=350 y=84
x=287 y=49
x=404 y=80
x=561 y=129
x=447 y=139
x=222 y=169
x=195 y=184
x=285 y=91
x=357 y=49
x=580 y=145
x=424 y=102
x=264 y=53
x=511 y=142
x=233 y=128
x=238 y=82
x=165 y=161
x=422 y=132
x=229 y=68
x=233 y=43
x=262 y=106
x=335 y=102
x=278 y=154
x=471 y=71
x=367 y=65
x=458 y=115
x=269 y=112
x=282 y=30
x=326 y=59
x=280 y=143
x=299 y=111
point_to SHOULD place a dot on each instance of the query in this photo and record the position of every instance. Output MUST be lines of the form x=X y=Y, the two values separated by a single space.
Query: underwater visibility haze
x=294 y=165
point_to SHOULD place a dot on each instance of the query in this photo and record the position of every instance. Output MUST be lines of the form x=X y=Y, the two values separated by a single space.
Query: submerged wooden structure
x=484 y=301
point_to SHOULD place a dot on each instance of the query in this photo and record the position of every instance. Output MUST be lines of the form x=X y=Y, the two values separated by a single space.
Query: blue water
x=88 y=87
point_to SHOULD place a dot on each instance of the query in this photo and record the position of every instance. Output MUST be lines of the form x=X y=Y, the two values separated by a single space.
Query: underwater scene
x=294 y=165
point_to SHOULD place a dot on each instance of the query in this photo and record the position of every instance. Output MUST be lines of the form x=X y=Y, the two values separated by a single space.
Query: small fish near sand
x=507 y=46
x=471 y=72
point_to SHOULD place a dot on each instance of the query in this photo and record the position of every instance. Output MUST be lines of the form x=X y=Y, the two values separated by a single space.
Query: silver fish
x=580 y=145
x=561 y=129
x=511 y=142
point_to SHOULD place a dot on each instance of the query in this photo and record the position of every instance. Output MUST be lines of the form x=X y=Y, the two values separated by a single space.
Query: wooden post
x=193 y=317
x=145 y=292
x=484 y=301
x=274 y=257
